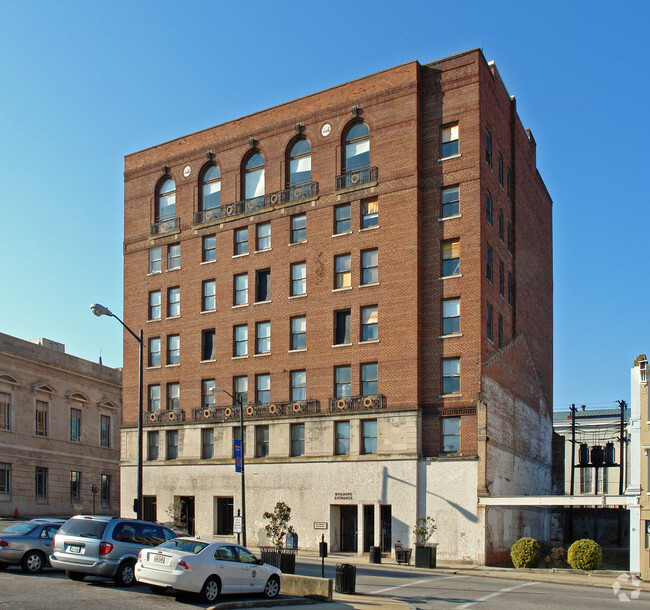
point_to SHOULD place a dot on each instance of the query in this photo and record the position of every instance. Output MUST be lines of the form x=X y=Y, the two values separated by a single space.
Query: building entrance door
x=348 y=529
x=368 y=527
x=187 y=513
x=386 y=528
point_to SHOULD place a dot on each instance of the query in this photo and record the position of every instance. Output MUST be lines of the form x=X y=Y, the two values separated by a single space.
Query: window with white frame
x=155 y=260
x=173 y=349
x=153 y=442
x=240 y=243
x=369 y=323
x=263 y=388
x=240 y=292
x=450 y=202
x=449 y=138
x=261 y=441
x=154 y=397
x=300 y=163
x=263 y=337
x=240 y=340
x=342 y=334
x=173 y=257
x=211 y=188
x=298 y=385
x=298 y=339
x=264 y=236
x=154 y=351
x=342 y=381
x=166 y=200
x=298 y=228
x=254 y=177
x=342 y=271
x=173 y=302
x=298 y=278
x=207 y=397
x=342 y=437
x=450 y=316
x=208 y=295
x=450 y=258
x=342 y=218
x=209 y=250
x=155 y=305
x=450 y=434
x=369 y=213
x=172 y=444
x=369 y=379
x=173 y=396
x=450 y=375
x=357 y=148
x=297 y=440
x=369 y=436
x=240 y=389
x=207 y=443
x=369 y=266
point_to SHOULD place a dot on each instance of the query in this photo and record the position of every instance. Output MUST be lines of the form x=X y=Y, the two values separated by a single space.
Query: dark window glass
x=488 y=148
x=263 y=285
x=488 y=263
x=297 y=440
x=208 y=345
x=450 y=202
x=225 y=515
x=261 y=441
x=489 y=315
x=342 y=327
x=488 y=207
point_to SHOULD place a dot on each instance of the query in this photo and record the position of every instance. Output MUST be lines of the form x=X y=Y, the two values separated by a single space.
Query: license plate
x=74 y=549
x=158 y=559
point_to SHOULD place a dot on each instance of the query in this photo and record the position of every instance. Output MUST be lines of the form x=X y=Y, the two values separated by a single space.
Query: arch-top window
x=300 y=163
x=254 y=177
x=357 y=147
x=166 y=200
x=211 y=188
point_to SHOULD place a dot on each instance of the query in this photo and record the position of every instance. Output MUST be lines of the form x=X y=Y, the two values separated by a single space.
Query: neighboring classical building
x=639 y=483
x=59 y=431
x=369 y=269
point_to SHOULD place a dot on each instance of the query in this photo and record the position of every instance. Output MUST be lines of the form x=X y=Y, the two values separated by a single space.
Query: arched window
x=300 y=163
x=211 y=188
x=166 y=200
x=357 y=148
x=254 y=177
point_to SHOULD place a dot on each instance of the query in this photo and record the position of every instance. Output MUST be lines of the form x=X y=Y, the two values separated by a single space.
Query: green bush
x=525 y=553
x=585 y=554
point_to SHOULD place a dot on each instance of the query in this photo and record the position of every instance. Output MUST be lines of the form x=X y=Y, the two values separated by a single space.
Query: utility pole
x=573 y=467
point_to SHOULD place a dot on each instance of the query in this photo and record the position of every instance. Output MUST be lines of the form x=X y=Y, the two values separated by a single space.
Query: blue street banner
x=237 y=455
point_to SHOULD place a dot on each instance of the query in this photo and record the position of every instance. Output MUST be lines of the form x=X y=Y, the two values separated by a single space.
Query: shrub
x=424 y=529
x=278 y=524
x=525 y=553
x=585 y=554
x=556 y=558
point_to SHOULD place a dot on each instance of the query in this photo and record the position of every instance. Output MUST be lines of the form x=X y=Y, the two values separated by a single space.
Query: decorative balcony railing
x=357 y=177
x=295 y=193
x=272 y=409
x=165 y=226
x=357 y=403
x=166 y=416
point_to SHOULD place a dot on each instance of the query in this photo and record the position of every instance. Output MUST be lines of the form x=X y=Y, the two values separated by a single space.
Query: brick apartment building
x=370 y=269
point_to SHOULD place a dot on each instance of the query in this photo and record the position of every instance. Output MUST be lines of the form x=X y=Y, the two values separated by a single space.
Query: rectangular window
x=264 y=236
x=450 y=434
x=369 y=436
x=240 y=340
x=240 y=295
x=586 y=480
x=172 y=444
x=488 y=263
x=342 y=327
x=208 y=346
x=450 y=316
x=510 y=288
x=342 y=271
x=105 y=489
x=154 y=351
x=240 y=241
x=369 y=379
x=488 y=148
x=500 y=331
x=155 y=260
x=41 y=418
x=297 y=440
x=261 y=441
x=209 y=295
x=75 y=487
x=262 y=285
x=449 y=137
x=105 y=431
x=207 y=397
x=173 y=396
x=489 y=313
x=510 y=241
x=173 y=257
x=173 y=349
x=298 y=278
x=369 y=323
x=343 y=386
x=5 y=411
x=75 y=425
x=501 y=279
x=153 y=439
x=298 y=385
x=450 y=202
x=298 y=339
x=240 y=389
x=342 y=432
x=263 y=389
x=500 y=169
x=225 y=516
x=263 y=337
x=173 y=302
x=369 y=213
x=155 y=306
x=450 y=258
x=40 y=484
x=298 y=228
x=488 y=207
x=209 y=248
x=369 y=267
x=508 y=182
x=501 y=225
x=207 y=443
x=342 y=219
x=450 y=375
x=5 y=481
x=154 y=398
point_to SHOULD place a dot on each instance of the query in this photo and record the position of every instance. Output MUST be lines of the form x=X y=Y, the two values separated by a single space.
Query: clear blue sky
x=83 y=83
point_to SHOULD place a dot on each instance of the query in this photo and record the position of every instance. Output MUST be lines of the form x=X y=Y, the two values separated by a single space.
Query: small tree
x=278 y=524
x=175 y=511
x=423 y=529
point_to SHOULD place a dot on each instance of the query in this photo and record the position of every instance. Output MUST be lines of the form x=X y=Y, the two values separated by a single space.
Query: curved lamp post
x=100 y=310
x=238 y=400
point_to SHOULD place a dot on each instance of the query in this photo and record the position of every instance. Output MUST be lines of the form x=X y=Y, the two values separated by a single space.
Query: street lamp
x=100 y=310
x=238 y=400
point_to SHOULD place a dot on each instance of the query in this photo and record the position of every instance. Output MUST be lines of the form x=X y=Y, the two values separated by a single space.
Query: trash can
x=375 y=554
x=346 y=577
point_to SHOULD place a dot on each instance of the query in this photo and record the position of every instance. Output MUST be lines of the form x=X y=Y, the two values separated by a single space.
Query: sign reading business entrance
x=345 y=496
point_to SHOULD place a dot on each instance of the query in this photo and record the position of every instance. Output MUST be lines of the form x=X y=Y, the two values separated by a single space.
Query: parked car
x=49 y=520
x=28 y=544
x=104 y=546
x=207 y=567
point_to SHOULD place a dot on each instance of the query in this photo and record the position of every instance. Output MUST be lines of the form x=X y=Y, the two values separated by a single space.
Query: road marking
x=417 y=582
x=495 y=594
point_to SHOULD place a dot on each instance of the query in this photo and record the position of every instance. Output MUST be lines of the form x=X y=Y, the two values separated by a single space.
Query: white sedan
x=207 y=567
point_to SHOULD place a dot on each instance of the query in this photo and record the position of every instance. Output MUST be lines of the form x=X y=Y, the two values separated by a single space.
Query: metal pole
x=573 y=467
x=140 y=430
x=243 y=480
x=622 y=405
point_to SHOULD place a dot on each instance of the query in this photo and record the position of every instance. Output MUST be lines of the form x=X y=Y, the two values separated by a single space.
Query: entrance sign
x=320 y=525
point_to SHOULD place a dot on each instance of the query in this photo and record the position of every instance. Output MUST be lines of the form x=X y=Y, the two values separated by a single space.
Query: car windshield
x=21 y=528
x=189 y=546
x=84 y=528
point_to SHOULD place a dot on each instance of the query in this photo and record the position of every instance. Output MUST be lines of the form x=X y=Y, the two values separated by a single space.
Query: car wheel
x=74 y=575
x=211 y=589
x=4 y=566
x=157 y=590
x=125 y=575
x=272 y=587
x=33 y=562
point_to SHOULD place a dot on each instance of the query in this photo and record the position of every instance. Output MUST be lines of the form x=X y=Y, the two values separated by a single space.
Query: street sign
x=237 y=455
x=236 y=525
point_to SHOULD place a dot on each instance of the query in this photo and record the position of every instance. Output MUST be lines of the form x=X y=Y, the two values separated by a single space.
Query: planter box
x=283 y=559
x=425 y=556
